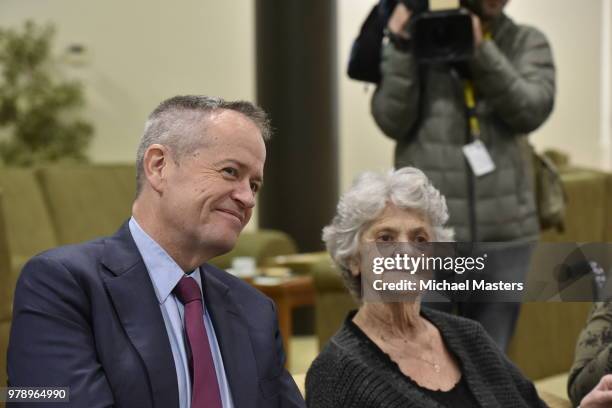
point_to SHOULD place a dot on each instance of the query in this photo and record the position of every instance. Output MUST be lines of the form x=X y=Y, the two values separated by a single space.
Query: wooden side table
x=288 y=293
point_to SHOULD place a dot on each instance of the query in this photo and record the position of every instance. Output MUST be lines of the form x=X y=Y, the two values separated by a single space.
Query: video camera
x=441 y=30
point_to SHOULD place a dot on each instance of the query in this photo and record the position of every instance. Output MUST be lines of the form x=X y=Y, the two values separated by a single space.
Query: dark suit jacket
x=86 y=316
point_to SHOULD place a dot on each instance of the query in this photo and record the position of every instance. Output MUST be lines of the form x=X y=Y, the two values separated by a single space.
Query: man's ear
x=155 y=162
x=355 y=266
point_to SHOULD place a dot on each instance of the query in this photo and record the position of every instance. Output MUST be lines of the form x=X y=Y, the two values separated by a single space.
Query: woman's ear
x=355 y=266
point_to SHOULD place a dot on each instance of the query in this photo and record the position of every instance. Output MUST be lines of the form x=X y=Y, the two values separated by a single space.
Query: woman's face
x=398 y=225
x=394 y=232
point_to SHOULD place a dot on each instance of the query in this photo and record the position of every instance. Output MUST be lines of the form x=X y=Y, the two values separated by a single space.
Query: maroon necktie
x=205 y=389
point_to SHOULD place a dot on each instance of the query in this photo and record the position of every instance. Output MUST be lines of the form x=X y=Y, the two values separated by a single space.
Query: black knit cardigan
x=352 y=372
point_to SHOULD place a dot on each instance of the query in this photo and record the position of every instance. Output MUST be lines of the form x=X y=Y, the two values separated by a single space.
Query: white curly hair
x=371 y=192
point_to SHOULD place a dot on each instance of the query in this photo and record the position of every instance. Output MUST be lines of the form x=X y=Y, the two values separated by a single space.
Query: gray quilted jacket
x=423 y=109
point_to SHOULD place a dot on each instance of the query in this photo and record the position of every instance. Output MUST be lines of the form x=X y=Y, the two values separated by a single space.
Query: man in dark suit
x=139 y=319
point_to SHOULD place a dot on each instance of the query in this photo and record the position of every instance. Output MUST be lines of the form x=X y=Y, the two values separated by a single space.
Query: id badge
x=479 y=158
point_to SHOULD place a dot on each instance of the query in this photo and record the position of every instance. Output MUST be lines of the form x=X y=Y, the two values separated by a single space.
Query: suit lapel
x=133 y=296
x=233 y=338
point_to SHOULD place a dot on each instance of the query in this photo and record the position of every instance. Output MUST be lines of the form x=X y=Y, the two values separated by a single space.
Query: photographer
x=487 y=103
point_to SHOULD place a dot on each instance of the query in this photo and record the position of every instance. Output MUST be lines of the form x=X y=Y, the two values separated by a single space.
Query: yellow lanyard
x=470 y=101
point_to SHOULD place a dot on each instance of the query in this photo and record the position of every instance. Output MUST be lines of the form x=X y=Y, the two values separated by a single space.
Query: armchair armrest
x=261 y=244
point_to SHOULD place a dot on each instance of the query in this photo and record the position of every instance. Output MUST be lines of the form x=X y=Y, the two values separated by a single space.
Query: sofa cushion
x=28 y=223
x=545 y=337
x=6 y=281
x=5 y=326
x=327 y=276
x=584 y=221
x=86 y=202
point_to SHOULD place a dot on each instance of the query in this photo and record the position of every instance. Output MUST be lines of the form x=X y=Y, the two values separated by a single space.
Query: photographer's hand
x=395 y=103
x=399 y=20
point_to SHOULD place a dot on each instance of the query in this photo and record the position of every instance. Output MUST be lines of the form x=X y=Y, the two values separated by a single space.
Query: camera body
x=442 y=35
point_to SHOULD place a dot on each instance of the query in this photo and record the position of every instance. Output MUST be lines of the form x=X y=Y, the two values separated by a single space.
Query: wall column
x=296 y=85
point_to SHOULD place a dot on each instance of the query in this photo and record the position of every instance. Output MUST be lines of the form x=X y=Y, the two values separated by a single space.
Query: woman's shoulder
x=339 y=351
x=329 y=378
x=347 y=353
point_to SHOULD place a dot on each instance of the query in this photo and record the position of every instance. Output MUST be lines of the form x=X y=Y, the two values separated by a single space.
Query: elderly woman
x=398 y=354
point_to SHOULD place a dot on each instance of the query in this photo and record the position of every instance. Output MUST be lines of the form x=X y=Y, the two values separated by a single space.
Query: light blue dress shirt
x=165 y=274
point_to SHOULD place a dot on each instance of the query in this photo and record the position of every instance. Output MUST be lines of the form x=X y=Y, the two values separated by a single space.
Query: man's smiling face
x=209 y=194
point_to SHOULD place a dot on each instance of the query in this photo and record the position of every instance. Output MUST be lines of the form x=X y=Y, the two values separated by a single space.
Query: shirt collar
x=163 y=270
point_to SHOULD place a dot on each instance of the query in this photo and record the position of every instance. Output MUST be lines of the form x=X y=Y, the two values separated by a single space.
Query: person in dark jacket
x=396 y=354
x=509 y=87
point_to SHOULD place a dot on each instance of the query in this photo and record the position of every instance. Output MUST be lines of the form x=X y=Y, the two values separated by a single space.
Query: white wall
x=574 y=30
x=362 y=145
x=140 y=52
x=143 y=51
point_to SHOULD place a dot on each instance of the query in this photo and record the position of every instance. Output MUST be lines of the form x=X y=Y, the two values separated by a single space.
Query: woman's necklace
x=405 y=346
x=401 y=349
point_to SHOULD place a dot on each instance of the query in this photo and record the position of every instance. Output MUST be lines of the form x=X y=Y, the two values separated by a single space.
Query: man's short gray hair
x=406 y=188
x=174 y=121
